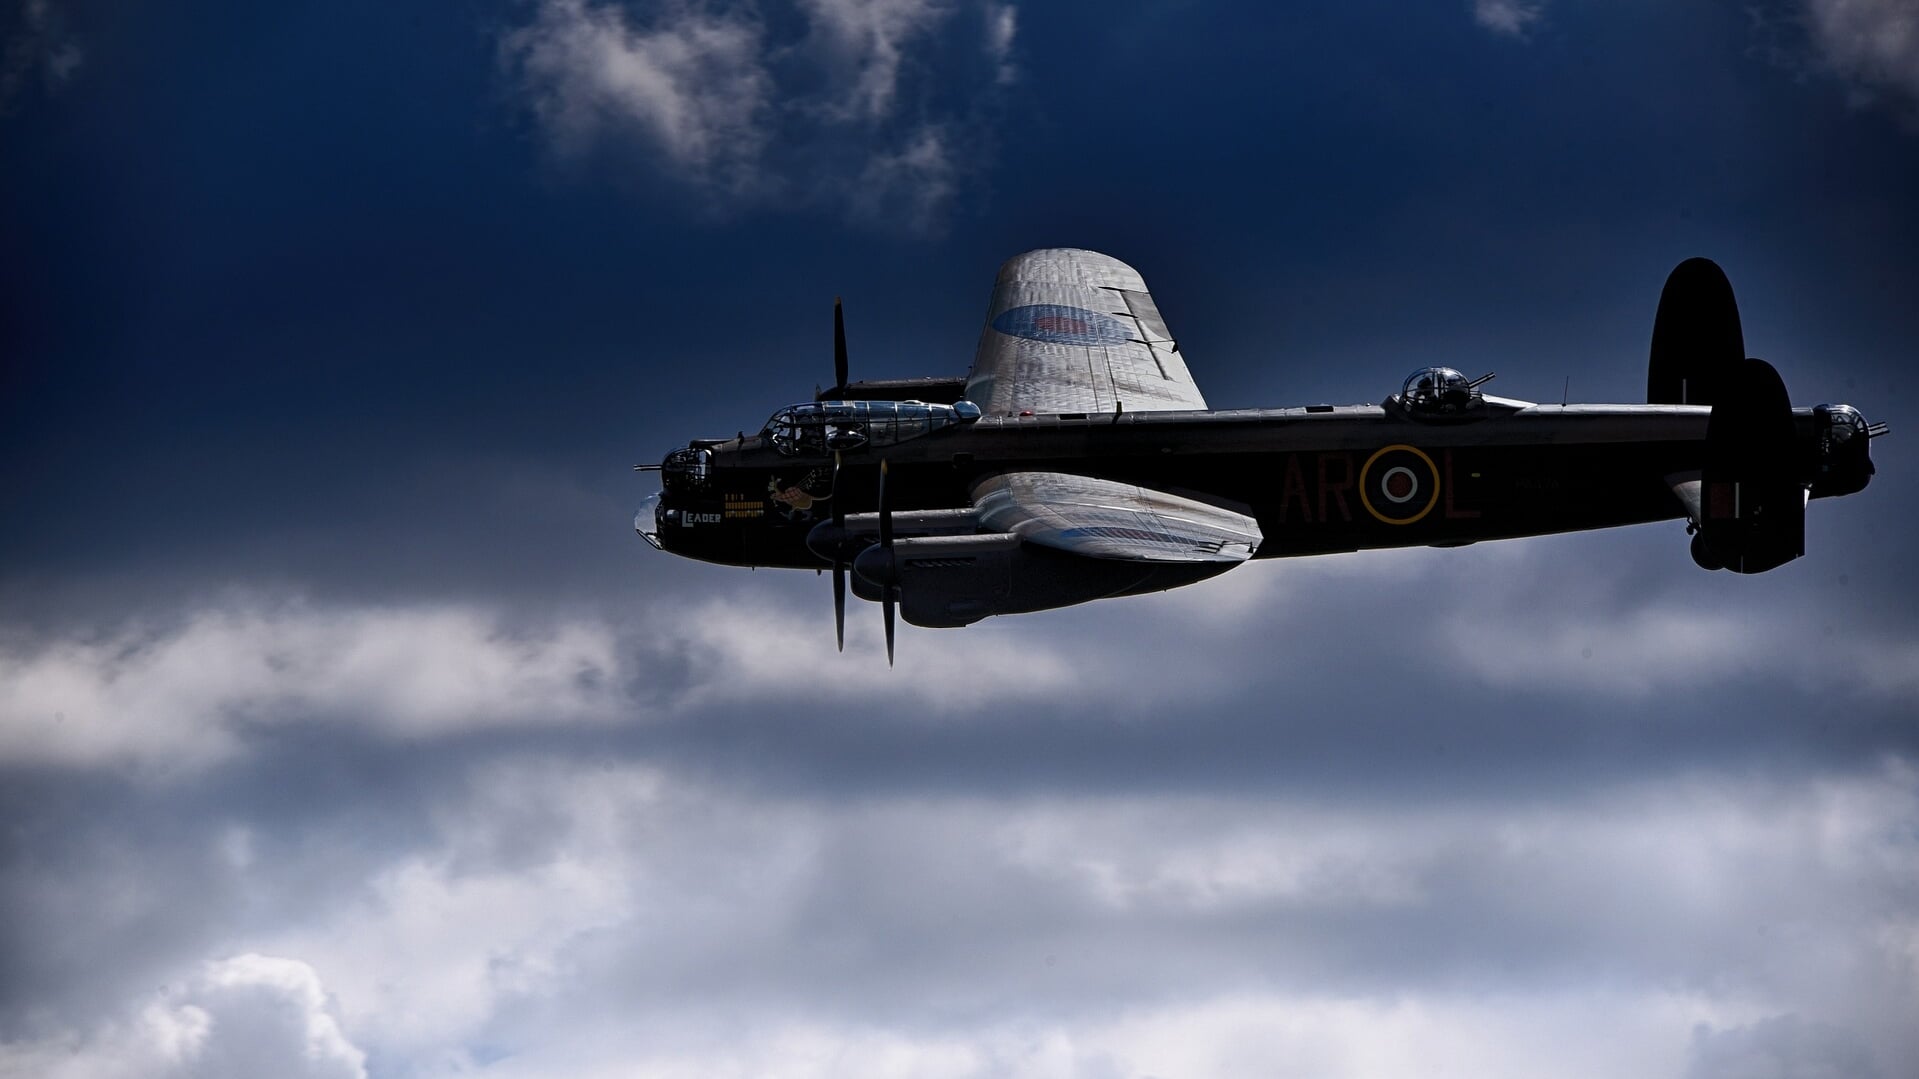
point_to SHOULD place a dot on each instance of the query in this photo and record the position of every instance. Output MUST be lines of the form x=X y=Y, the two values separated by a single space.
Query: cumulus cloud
x=558 y=915
x=716 y=101
x=238 y=1018
x=1510 y=17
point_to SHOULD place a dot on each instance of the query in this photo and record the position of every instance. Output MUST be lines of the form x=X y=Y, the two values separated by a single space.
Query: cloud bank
x=543 y=914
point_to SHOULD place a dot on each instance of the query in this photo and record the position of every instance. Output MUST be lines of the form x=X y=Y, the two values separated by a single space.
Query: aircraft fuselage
x=1318 y=479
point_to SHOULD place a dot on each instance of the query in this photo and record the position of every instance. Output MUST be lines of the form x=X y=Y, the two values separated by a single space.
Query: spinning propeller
x=833 y=541
x=886 y=575
x=839 y=346
x=839 y=561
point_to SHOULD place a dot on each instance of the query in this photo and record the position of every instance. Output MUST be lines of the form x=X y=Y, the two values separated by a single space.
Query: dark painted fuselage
x=1317 y=479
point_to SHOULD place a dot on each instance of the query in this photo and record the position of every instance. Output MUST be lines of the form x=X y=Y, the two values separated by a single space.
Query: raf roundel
x=1399 y=485
x=1057 y=324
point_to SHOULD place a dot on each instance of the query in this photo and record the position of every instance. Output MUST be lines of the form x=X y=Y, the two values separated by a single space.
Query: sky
x=347 y=730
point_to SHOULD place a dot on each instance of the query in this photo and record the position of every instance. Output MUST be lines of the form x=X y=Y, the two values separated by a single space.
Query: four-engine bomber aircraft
x=1078 y=461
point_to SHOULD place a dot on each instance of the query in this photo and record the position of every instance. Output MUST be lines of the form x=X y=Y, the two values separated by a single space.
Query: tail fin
x=1696 y=341
x=1753 y=503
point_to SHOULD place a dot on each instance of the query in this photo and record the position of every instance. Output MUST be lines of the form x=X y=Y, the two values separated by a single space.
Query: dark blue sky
x=329 y=332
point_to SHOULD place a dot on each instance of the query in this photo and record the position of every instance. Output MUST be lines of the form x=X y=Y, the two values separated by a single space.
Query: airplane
x=1078 y=461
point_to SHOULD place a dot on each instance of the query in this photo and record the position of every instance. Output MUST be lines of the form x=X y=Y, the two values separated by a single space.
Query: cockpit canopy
x=1438 y=391
x=818 y=428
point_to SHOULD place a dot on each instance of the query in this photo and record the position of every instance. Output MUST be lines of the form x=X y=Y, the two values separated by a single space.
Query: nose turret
x=687 y=470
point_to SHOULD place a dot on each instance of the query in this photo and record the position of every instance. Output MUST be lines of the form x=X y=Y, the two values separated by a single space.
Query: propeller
x=839 y=347
x=839 y=563
x=889 y=592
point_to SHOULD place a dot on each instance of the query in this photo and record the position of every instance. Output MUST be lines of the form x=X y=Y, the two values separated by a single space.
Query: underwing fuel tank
x=1752 y=498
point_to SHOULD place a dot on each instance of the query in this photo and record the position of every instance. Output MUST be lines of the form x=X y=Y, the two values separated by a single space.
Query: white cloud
x=204 y=687
x=742 y=119
x=223 y=678
x=562 y=917
x=1510 y=17
x=868 y=39
x=193 y=692
x=1873 y=44
x=243 y=1017
x=693 y=85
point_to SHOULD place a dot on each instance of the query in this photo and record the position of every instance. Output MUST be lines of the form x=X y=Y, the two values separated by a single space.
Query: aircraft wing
x=1105 y=519
x=1076 y=331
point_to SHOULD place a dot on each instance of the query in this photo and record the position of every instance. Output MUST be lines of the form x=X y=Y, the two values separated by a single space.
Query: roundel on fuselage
x=1058 y=324
x=1399 y=485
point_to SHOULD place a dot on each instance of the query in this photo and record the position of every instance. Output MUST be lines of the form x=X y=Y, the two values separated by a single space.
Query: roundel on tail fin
x=1696 y=341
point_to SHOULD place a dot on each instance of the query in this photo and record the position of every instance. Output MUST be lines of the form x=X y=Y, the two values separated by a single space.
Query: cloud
x=1002 y=25
x=238 y=1018
x=1510 y=17
x=861 y=112
x=867 y=40
x=39 y=43
x=192 y=692
x=185 y=693
x=1872 y=44
x=692 y=86
x=1784 y=1046
x=543 y=913
x=1664 y=647
x=913 y=185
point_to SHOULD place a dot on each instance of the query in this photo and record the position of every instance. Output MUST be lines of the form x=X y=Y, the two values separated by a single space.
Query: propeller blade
x=837 y=509
x=839 y=346
x=886 y=609
x=838 y=512
x=839 y=604
x=889 y=594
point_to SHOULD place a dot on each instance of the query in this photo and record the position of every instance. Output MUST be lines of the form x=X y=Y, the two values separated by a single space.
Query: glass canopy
x=817 y=428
